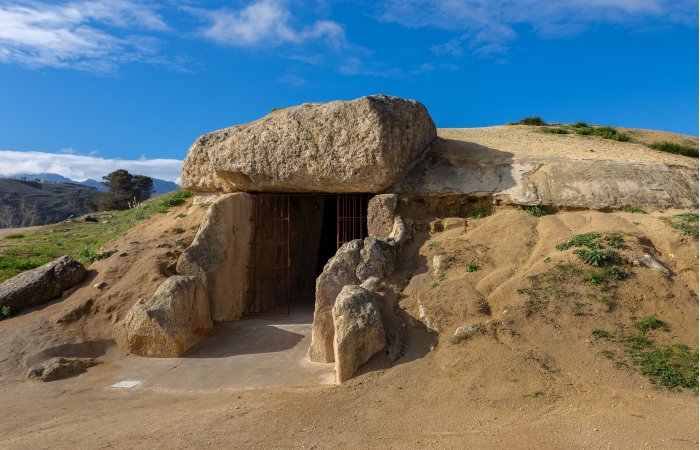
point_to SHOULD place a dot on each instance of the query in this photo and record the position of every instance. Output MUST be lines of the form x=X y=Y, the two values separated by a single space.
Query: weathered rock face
x=338 y=272
x=377 y=259
x=381 y=210
x=363 y=145
x=59 y=368
x=359 y=333
x=219 y=254
x=169 y=323
x=42 y=284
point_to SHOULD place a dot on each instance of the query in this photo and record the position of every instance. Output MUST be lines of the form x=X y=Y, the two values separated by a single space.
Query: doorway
x=294 y=235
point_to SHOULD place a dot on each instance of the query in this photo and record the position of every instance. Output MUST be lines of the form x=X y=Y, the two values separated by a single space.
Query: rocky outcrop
x=338 y=272
x=169 y=323
x=59 y=368
x=381 y=210
x=359 y=333
x=377 y=259
x=42 y=284
x=363 y=145
x=219 y=254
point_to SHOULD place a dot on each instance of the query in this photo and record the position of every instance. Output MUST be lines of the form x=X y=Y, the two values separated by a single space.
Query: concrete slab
x=257 y=352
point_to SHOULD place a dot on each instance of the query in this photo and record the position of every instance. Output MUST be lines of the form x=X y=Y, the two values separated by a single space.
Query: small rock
x=650 y=262
x=59 y=368
x=466 y=331
x=123 y=254
x=436 y=226
x=99 y=285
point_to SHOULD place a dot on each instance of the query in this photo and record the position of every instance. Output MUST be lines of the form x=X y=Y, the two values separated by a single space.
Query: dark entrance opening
x=294 y=236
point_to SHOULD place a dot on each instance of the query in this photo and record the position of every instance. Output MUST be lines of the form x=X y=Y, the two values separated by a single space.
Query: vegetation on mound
x=554 y=130
x=81 y=238
x=678 y=149
x=632 y=209
x=687 y=223
x=530 y=120
x=5 y=312
x=583 y=129
x=536 y=210
x=671 y=366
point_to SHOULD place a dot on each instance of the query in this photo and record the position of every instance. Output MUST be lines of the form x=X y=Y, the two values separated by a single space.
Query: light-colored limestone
x=359 y=333
x=219 y=255
x=169 y=323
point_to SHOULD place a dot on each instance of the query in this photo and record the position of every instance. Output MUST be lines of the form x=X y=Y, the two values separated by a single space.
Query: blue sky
x=84 y=82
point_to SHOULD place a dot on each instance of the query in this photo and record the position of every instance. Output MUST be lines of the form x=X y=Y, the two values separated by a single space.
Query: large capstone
x=42 y=284
x=363 y=145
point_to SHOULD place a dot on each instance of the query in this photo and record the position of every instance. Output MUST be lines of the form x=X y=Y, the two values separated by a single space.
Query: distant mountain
x=26 y=203
x=160 y=187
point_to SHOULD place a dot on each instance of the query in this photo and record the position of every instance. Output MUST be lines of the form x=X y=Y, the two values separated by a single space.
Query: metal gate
x=351 y=218
x=270 y=256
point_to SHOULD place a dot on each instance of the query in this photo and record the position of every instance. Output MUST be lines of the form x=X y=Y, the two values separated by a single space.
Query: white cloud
x=267 y=23
x=94 y=35
x=80 y=168
x=486 y=27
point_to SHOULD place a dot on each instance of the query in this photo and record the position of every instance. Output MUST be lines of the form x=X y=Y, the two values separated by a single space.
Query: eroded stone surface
x=359 y=333
x=219 y=255
x=381 y=210
x=169 y=323
x=363 y=145
x=59 y=368
x=338 y=272
x=42 y=284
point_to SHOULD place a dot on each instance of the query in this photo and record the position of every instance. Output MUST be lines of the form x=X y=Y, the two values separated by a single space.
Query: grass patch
x=670 y=366
x=89 y=255
x=581 y=240
x=537 y=394
x=472 y=267
x=530 y=120
x=650 y=323
x=615 y=241
x=14 y=236
x=582 y=128
x=687 y=223
x=554 y=130
x=536 y=210
x=678 y=149
x=632 y=209
x=478 y=213
x=601 y=334
x=77 y=238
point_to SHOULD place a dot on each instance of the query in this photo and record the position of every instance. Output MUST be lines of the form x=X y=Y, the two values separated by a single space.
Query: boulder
x=377 y=259
x=59 y=368
x=42 y=284
x=338 y=272
x=363 y=145
x=169 y=323
x=467 y=331
x=359 y=333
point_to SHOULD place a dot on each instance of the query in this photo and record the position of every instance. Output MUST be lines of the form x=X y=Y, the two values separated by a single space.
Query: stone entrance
x=293 y=236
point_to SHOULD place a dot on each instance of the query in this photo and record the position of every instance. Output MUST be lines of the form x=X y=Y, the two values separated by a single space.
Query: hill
x=31 y=203
x=160 y=187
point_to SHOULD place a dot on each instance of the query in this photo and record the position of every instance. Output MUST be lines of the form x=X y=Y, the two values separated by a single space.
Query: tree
x=124 y=190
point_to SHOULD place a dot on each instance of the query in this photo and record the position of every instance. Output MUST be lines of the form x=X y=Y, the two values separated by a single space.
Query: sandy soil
x=526 y=141
x=535 y=379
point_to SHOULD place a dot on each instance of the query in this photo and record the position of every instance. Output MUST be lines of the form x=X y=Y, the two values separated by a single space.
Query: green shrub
x=650 y=323
x=687 y=223
x=602 y=334
x=89 y=255
x=478 y=213
x=679 y=149
x=615 y=241
x=605 y=132
x=530 y=120
x=581 y=240
x=557 y=130
x=595 y=257
x=595 y=278
x=536 y=210
x=5 y=312
x=472 y=267
x=14 y=236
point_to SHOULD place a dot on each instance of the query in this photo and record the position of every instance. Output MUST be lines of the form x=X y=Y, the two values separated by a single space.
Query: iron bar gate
x=351 y=216
x=270 y=256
